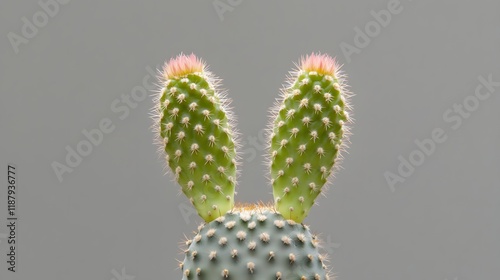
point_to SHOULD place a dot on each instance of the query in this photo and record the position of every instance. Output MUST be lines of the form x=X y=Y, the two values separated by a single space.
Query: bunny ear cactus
x=196 y=134
x=195 y=130
x=307 y=134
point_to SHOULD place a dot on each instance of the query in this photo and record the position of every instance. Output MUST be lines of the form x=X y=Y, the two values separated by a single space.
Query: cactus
x=253 y=243
x=307 y=134
x=196 y=133
x=195 y=129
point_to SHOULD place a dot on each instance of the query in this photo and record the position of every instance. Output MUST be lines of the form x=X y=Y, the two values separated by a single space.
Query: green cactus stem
x=195 y=130
x=307 y=134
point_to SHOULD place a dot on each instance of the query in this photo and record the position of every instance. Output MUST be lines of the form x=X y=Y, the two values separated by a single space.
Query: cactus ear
x=195 y=132
x=307 y=133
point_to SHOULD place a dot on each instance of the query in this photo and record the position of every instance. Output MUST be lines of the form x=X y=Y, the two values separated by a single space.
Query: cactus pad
x=195 y=130
x=253 y=244
x=196 y=135
x=307 y=134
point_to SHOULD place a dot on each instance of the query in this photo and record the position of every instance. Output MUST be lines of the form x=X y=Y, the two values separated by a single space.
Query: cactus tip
x=320 y=63
x=182 y=65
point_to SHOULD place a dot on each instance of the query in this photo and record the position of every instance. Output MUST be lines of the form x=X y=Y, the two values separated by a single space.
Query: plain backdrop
x=117 y=216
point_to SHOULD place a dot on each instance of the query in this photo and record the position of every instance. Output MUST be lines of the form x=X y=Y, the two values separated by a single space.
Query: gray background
x=117 y=210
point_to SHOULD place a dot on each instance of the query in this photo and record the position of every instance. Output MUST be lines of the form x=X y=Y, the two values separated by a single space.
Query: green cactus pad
x=256 y=244
x=307 y=135
x=196 y=133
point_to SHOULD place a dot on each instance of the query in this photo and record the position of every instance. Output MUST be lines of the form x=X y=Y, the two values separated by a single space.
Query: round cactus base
x=253 y=243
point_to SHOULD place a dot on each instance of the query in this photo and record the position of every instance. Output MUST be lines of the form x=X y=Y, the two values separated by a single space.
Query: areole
x=196 y=133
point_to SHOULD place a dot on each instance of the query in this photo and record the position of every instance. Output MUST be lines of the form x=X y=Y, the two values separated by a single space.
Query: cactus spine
x=253 y=243
x=307 y=133
x=195 y=130
x=196 y=134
